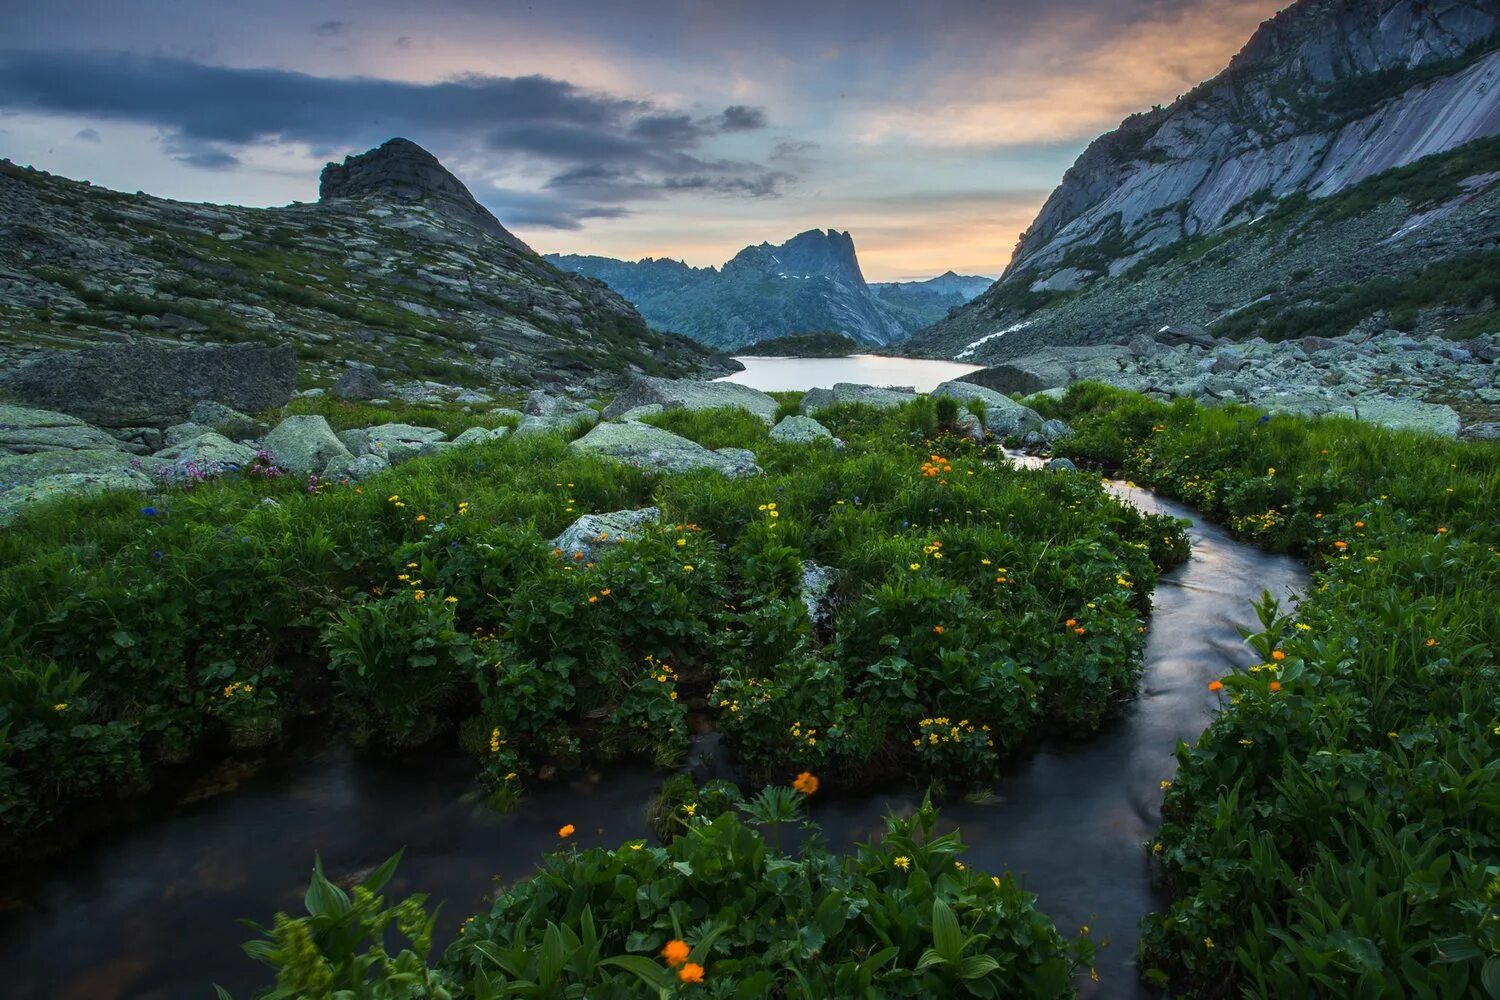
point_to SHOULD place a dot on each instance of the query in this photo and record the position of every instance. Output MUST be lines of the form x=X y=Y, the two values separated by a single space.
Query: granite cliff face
x=396 y=267
x=1330 y=100
x=810 y=283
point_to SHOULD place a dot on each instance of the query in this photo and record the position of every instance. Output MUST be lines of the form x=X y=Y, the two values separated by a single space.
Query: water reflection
x=795 y=374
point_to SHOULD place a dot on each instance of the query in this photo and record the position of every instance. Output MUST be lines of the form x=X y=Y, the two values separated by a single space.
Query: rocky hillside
x=1321 y=182
x=396 y=267
x=932 y=300
x=812 y=282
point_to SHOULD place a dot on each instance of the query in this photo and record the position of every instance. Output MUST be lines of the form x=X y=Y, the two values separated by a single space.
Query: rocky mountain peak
x=816 y=252
x=400 y=170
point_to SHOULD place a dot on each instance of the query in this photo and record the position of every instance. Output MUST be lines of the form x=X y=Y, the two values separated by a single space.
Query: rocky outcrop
x=400 y=170
x=802 y=430
x=26 y=429
x=305 y=445
x=132 y=385
x=647 y=447
x=1003 y=416
x=688 y=394
x=358 y=383
x=851 y=392
x=591 y=534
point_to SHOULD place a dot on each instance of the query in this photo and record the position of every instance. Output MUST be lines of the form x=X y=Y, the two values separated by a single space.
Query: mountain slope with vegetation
x=395 y=267
x=1305 y=190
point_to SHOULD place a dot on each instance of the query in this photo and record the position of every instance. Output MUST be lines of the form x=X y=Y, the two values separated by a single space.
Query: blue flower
x=149 y=511
x=158 y=555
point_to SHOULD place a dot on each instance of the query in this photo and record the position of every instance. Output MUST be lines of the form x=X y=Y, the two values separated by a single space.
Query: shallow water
x=151 y=912
x=797 y=374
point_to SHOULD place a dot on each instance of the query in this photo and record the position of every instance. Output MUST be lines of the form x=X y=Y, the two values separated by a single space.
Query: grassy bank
x=1336 y=830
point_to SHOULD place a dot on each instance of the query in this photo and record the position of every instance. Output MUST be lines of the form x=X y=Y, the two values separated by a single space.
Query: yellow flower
x=691 y=808
x=450 y=600
x=1208 y=942
x=902 y=862
x=688 y=568
x=681 y=542
x=61 y=706
x=915 y=566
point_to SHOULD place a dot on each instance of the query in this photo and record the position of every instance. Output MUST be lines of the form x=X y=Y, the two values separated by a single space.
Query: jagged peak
x=399 y=169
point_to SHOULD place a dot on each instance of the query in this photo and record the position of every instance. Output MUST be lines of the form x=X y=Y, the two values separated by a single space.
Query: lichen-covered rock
x=817 y=584
x=225 y=420
x=28 y=468
x=26 y=429
x=691 y=394
x=1054 y=430
x=851 y=392
x=357 y=383
x=593 y=532
x=557 y=421
x=304 y=445
x=741 y=459
x=178 y=433
x=647 y=447
x=16 y=499
x=1003 y=416
x=478 y=435
x=398 y=442
x=1061 y=465
x=210 y=452
x=129 y=385
x=801 y=430
x=354 y=467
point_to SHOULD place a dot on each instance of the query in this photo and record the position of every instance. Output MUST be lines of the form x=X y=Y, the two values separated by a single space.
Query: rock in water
x=136 y=385
x=400 y=169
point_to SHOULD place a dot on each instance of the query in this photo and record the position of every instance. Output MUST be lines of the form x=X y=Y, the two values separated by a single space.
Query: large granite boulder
x=304 y=445
x=225 y=420
x=802 y=430
x=358 y=382
x=354 y=468
x=136 y=385
x=647 y=447
x=591 y=533
x=479 y=435
x=1003 y=416
x=16 y=499
x=25 y=429
x=690 y=394
x=852 y=392
x=398 y=442
x=16 y=470
x=208 y=451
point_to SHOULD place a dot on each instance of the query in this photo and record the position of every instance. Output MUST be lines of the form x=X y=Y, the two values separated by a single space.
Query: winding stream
x=151 y=912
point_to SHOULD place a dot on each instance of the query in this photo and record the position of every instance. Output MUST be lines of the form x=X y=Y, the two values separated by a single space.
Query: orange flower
x=1359 y=524
x=675 y=953
x=1277 y=655
x=1431 y=642
x=1216 y=685
x=691 y=973
x=937 y=629
x=593 y=599
x=421 y=517
x=1442 y=531
x=566 y=831
x=1080 y=630
x=1071 y=622
x=806 y=783
x=1275 y=686
x=605 y=592
x=1341 y=545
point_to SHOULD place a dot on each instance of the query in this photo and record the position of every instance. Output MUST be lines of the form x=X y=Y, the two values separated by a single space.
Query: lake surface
x=798 y=374
x=149 y=912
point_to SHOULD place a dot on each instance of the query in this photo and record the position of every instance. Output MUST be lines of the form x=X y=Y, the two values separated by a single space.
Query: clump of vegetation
x=718 y=911
x=1336 y=830
x=428 y=601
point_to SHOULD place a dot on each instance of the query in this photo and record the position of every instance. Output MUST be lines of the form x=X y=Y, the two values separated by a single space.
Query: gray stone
x=354 y=467
x=742 y=461
x=399 y=442
x=304 y=445
x=817 y=585
x=540 y=403
x=140 y=440
x=358 y=382
x=226 y=420
x=13 y=501
x=178 y=433
x=1003 y=416
x=637 y=413
x=647 y=447
x=28 y=468
x=852 y=392
x=25 y=429
x=801 y=430
x=591 y=533
x=1052 y=430
x=479 y=435
x=970 y=426
x=557 y=423
x=691 y=394
x=129 y=385
x=207 y=450
x=1061 y=465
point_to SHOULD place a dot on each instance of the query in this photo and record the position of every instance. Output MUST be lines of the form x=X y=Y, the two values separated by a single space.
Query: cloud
x=592 y=151
x=87 y=134
x=330 y=28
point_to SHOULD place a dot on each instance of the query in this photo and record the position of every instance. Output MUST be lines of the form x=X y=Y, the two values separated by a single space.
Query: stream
x=151 y=912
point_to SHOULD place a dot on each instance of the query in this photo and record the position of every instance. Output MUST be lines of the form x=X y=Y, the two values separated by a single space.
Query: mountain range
x=810 y=283
x=395 y=267
x=1342 y=171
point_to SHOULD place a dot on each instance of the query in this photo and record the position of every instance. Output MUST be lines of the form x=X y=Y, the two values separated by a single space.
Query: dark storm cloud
x=532 y=122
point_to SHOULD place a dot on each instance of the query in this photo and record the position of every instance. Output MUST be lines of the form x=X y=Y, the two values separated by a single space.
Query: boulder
x=1061 y=465
x=478 y=435
x=742 y=461
x=647 y=447
x=133 y=385
x=178 y=433
x=1006 y=379
x=141 y=440
x=398 y=442
x=970 y=426
x=358 y=382
x=1052 y=430
x=1003 y=416
x=304 y=445
x=354 y=468
x=540 y=403
x=13 y=501
x=28 y=468
x=210 y=452
x=817 y=586
x=1174 y=334
x=25 y=429
x=592 y=532
x=557 y=422
x=802 y=430
x=851 y=392
x=225 y=420
x=690 y=394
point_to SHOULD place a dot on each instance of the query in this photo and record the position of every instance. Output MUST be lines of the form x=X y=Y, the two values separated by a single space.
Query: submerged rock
x=647 y=447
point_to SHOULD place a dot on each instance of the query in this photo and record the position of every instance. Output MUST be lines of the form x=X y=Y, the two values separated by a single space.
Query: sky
x=933 y=132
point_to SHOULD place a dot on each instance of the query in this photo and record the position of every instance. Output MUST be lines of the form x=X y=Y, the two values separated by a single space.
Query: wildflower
x=1271 y=471
x=1442 y=531
x=566 y=831
x=681 y=542
x=1165 y=785
x=915 y=566
x=937 y=630
x=421 y=518
x=1277 y=655
x=1431 y=642
x=902 y=862
x=1275 y=686
x=1071 y=622
x=149 y=511
x=1216 y=686
x=806 y=783
x=605 y=592
x=1341 y=545
x=675 y=953
x=1208 y=942
x=1093 y=974
x=419 y=594
x=1359 y=524
x=688 y=568
x=691 y=973
x=691 y=808
x=1303 y=627
x=450 y=600
x=61 y=706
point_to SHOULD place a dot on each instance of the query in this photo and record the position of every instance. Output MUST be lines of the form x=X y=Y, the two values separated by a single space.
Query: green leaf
x=644 y=969
x=1490 y=977
x=947 y=938
x=380 y=876
x=324 y=899
x=976 y=967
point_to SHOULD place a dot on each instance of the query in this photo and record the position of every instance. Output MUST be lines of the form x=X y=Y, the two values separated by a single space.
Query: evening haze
x=666 y=128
